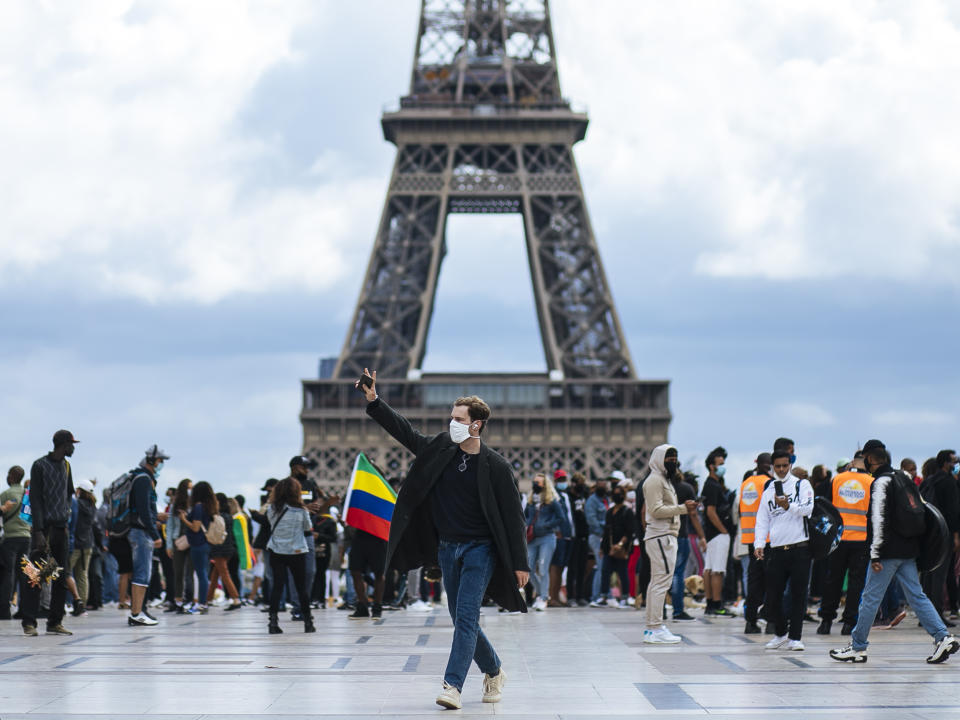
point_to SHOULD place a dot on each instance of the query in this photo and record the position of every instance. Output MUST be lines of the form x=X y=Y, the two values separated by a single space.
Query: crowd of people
x=671 y=544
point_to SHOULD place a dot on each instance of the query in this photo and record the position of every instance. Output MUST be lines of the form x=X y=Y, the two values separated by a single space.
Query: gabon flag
x=370 y=500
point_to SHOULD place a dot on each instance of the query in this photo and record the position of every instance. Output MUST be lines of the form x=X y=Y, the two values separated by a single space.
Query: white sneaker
x=660 y=636
x=794 y=645
x=420 y=606
x=539 y=604
x=943 y=649
x=449 y=697
x=140 y=619
x=602 y=602
x=493 y=686
x=777 y=642
x=848 y=654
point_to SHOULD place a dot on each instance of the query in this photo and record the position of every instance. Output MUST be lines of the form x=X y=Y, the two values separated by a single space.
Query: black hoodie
x=941 y=491
x=884 y=541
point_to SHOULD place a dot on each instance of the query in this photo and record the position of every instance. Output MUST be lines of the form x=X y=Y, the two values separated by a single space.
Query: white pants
x=718 y=550
x=662 y=552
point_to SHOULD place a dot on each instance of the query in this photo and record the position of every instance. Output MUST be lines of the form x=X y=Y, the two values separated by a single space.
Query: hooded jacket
x=885 y=542
x=660 y=498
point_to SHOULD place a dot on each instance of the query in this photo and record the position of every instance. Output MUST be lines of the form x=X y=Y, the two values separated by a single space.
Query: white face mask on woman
x=459 y=432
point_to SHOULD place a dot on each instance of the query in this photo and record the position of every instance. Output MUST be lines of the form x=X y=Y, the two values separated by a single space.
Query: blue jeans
x=594 y=542
x=744 y=567
x=679 y=573
x=539 y=552
x=467 y=569
x=141 y=547
x=200 y=555
x=310 y=574
x=905 y=572
x=111 y=581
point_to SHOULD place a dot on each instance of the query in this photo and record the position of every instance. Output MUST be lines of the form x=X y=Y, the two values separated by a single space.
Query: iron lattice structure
x=485 y=129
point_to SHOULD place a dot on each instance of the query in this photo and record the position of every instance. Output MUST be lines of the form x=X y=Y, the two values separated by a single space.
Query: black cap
x=63 y=437
x=872 y=445
x=269 y=483
x=304 y=461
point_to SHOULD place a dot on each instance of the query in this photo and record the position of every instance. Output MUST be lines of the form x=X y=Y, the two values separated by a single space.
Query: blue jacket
x=596 y=513
x=549 y=520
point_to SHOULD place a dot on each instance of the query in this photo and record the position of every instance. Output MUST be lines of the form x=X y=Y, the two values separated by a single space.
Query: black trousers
x=849 y=558
x=296 y=565
x=756 y=587
x=934 y=583
x=783 y=565
x=95 y=593
x=30 y=602
x=577 y=588
x=952 y=588
x=11 y=551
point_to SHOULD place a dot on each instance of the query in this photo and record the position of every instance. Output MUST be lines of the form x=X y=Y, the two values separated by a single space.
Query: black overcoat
x=413 y=536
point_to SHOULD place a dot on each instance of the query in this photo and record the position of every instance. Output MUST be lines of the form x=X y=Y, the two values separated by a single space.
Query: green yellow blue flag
x=370 y=500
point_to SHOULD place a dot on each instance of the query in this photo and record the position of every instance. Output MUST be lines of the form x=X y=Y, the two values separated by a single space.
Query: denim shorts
x=141 y=545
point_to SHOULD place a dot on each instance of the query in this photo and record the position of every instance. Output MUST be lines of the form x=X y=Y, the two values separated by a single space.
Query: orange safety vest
x=750 y=493
x=851 y=496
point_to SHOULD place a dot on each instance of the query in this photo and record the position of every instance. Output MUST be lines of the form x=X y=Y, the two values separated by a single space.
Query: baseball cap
x=63 y=437
x=269 y=483
x=618 y=476
x=155 y=453
x=303 y=460
x=559 y=474
x=842 y=463
x=85 y=485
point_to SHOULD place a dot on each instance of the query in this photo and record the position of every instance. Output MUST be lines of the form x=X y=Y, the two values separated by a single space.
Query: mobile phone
x=778 y=488
x=365 y=381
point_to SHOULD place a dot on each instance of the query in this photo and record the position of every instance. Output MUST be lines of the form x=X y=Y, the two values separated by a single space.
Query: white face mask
x=459 y=432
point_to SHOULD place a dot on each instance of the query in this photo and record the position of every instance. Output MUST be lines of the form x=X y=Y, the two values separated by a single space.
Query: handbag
x=216 y=531
x=182 y=543
x=536 y=514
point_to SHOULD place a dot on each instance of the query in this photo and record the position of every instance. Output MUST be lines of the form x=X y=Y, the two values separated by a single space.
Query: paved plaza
x=588 y=663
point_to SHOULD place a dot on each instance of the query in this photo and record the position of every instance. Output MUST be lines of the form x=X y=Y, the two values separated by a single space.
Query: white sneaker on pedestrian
x=848 y=654
x=602 y=603
x=493 y=686
x=140 y=619
x=449 y=697
x=777 y=642
x=539 y=604
x=420 y=606
x=794 y=645
x=660 y=636
x=943 y=649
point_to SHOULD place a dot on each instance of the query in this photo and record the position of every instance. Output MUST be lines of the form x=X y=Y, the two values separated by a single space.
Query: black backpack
x=909 y=515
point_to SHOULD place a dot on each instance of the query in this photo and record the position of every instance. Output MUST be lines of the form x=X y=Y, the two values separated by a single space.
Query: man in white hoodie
x=785 y=506
x=660 y=537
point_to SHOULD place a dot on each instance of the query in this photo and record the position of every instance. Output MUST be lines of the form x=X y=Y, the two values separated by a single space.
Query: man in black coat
x=941 y=491
x=459 y=508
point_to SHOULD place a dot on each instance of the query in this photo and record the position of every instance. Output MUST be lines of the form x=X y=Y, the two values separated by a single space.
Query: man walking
x=143 y=535
x=51 y=490
x=941 y=491
x=751 y=490
x=894 y=548
x=785 y=505
x=850 y=494
x=459 y=507
x=663 y=512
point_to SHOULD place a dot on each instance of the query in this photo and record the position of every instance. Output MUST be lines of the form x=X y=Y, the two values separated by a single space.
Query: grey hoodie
x=662 y=511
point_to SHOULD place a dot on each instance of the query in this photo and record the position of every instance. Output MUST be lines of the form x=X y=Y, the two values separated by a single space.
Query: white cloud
x=807 y=414
x=806 y=135
x=913 y=417
x=123 y=161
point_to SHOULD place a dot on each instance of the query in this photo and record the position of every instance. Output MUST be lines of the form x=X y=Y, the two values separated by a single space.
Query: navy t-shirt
x=198 y=538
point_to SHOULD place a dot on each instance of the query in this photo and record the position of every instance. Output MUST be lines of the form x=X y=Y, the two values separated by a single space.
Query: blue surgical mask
x=793 y=459
x=158 y=468
x=562 y=486
x=721 y=471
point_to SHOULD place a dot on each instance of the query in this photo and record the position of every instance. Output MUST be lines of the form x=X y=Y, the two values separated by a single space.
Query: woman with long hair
x=545 y=518
x=287 y=550
x=220 y=556
x=182 y=565
x=204 y=507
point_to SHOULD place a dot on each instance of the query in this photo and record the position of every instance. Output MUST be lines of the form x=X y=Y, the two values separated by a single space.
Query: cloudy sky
x=190 y=192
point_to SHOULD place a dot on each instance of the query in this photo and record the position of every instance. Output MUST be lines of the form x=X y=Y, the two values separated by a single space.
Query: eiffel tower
x=485 y=129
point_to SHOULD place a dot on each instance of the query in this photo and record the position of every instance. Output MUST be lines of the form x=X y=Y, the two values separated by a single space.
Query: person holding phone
x=458 y=508
x=785 y=506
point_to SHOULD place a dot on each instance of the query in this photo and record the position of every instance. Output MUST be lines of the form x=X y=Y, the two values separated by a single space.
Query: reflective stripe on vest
x=851 y=497
x=750 y=493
